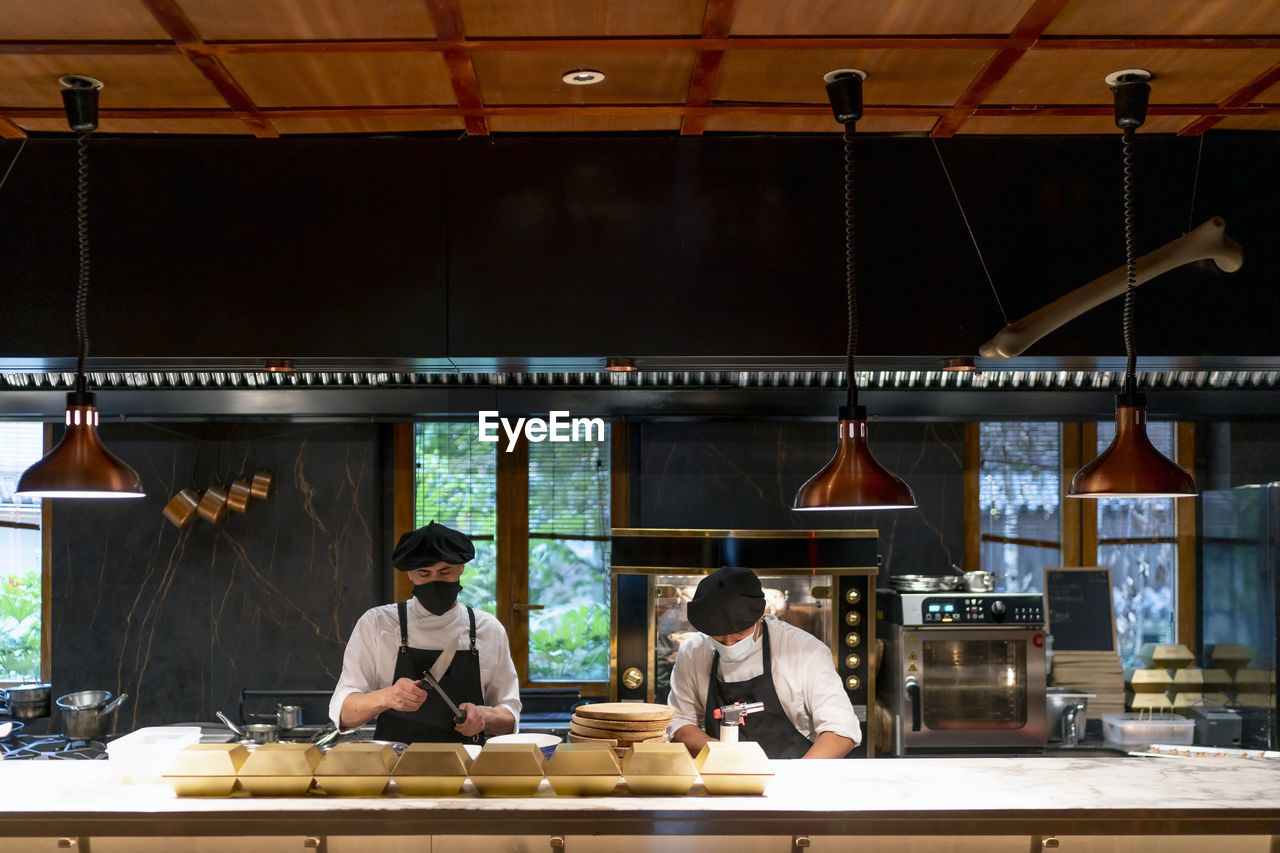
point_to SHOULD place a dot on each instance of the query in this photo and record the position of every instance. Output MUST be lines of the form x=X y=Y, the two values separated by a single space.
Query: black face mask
x=437 y=596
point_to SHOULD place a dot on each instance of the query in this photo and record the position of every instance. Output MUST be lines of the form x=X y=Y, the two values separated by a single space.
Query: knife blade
x=446 y=657
x=429 y=681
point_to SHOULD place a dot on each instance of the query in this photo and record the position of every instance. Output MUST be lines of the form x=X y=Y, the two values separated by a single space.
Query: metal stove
x=52 y=747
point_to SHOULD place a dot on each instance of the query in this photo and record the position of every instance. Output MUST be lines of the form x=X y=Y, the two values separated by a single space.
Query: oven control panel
x=972 y=609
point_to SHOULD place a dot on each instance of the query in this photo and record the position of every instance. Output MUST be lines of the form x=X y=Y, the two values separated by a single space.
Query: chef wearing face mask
x=391 y=645
x=742 y=655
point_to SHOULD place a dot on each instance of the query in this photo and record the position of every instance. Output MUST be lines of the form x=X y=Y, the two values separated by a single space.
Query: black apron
x=433 y=722
x=771 y=728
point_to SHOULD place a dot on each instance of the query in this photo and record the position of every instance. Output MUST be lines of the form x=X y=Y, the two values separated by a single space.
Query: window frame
x=512 y=533
x=1080 y=527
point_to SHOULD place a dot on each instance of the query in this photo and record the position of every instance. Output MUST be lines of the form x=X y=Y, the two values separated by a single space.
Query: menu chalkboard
x=1080 y=615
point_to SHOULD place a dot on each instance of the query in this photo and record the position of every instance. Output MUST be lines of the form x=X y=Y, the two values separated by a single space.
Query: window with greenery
x=564 y=526
x=21 y=445
x=1019 y=501
x=456 y=484
x=1024 y=526
x=1137 y=540
x=569 y=561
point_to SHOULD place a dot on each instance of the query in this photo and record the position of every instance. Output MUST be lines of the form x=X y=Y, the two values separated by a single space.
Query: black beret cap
x=432 y=544
x=727 y=601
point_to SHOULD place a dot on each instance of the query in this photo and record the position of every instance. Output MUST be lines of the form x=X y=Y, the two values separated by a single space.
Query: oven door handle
x=913 y=693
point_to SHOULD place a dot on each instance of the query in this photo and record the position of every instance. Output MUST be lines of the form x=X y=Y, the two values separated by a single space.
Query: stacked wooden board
x=620 y=724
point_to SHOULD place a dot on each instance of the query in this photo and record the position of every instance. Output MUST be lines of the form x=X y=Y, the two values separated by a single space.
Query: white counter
x=920 y=796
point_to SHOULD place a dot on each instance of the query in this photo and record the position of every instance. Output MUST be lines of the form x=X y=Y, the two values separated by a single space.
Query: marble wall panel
x=182 y=620
x=744 y=474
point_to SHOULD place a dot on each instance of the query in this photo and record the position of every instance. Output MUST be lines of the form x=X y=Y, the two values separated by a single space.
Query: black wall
x=539 y=247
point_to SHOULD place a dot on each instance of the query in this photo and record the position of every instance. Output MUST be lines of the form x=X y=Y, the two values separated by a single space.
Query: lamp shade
x=853 y=479
x=1131 y=466
x=79 y=466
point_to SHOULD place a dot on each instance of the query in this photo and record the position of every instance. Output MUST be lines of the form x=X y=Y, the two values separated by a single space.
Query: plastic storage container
x=1131 y=728
x=141 y=757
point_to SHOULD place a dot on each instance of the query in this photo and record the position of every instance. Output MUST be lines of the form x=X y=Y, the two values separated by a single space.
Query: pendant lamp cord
x=82 y=234
x=850 y=272
x=1130 y=370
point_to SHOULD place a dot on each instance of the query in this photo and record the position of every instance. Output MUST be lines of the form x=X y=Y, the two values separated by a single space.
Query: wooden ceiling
x=942 y=67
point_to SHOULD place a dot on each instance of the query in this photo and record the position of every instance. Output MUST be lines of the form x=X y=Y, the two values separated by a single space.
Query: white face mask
x=739 y=651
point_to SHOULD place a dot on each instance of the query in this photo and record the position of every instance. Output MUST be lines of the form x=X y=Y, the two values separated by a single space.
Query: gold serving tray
x=432 y=770
x=739 y=768
x=356 y=769
x=507 y=770
x=280 y=769
x=206 y=769
x=659 y=768
x=584 y=770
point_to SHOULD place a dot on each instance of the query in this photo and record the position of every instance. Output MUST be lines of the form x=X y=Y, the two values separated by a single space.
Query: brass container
x=432 y=770
x=584 y=770
x=206 y=769
x=280 y=769
x=181 y=508
x=507 y=770
x=659 y=768
x=739 y=768
x=260 y=488
x=356 y=769
x=238 y=495
x=213 y=506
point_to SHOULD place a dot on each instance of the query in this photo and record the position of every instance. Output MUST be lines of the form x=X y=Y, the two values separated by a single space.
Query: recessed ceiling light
x=279 y=365
x=583 y=77
x=959 y=364
x=620 y=365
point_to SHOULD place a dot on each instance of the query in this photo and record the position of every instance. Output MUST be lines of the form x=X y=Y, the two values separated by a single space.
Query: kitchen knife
x=429 y=681
x=446 y=657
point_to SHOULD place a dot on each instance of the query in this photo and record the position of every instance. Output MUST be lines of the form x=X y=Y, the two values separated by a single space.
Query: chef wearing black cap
x=391 y=645
x=742 y=655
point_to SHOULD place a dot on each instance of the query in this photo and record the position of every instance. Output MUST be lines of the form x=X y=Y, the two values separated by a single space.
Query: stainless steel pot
x=288 y=716
x=924 y=583
x=86 y=714
x=254 y=732
x=26 y=701
x=979 y=581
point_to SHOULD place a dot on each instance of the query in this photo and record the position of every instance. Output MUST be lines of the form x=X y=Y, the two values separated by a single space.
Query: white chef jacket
x=804 y=677
x=369 y=662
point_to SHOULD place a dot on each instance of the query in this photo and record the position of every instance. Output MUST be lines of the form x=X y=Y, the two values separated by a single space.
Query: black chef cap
x=432 y=544
x=727 y=601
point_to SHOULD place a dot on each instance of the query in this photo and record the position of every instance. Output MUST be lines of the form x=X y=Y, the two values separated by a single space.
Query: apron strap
x=402 y=607
x=471 y=615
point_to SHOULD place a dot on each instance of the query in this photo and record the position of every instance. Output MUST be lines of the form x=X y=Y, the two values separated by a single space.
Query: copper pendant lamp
x=853 y=479
x=80 y=466
x=1131 y=466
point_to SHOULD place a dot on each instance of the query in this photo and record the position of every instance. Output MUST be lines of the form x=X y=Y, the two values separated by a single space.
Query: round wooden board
x=622 y=737
x=625 y=711
x=577 y=738
x=623 y=725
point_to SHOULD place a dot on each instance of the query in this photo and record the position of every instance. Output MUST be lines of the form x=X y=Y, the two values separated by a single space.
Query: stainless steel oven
x=962 y=669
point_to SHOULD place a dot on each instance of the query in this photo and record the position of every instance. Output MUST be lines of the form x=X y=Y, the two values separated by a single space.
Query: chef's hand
x=405 y=695
x=474 y=723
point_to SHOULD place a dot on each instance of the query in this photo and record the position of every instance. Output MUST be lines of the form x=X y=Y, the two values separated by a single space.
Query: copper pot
x=213 y=506
x=261 y=486
x=238 y=495
x=181 y=508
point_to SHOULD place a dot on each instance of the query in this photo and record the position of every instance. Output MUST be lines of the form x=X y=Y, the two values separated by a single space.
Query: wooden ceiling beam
x=90 y=48
x=716 y=23
x=9 y=130
x=184 y=35
x=1243 y=98
x=1025 y=33
x=462 y=72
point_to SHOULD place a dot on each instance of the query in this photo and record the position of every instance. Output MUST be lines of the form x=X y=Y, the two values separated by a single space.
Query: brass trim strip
x=675 y=532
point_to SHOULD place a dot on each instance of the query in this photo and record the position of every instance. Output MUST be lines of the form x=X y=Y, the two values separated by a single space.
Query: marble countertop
x=1013 y=795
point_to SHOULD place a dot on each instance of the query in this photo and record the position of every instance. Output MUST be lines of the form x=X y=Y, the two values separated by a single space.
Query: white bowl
x=546 y=743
